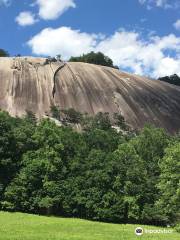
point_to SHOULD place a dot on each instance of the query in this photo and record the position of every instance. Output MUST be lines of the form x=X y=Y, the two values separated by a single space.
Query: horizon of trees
x=97 y=58
x=173 y=79
x=98 y=174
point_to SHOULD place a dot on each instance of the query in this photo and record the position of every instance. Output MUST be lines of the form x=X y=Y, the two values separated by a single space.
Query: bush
x=55 y=112
x=72 y=116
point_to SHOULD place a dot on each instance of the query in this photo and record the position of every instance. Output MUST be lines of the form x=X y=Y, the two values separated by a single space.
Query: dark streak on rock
x=54 y=79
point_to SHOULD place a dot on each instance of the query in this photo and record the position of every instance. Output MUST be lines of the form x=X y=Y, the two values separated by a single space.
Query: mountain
x=36 y=84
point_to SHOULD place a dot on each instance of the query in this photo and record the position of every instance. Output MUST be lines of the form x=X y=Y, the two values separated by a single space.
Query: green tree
x=15 y=140
x=34 y=187
x=107 y=141
x=97 y=173
x=4 y=53
x=30 y=117
x=169 y=183
x=55 y=112
x=100 y=121
x=94 y=58
x=72 y=116
x=173 y=79
x=8 y=154
x=150 y=145
x=129 y=176
x=120 y=122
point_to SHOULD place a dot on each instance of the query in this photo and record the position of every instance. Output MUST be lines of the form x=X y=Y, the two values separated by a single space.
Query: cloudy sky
x=141 y=36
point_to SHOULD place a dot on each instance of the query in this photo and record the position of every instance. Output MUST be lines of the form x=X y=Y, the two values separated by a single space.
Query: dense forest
x=97 y=173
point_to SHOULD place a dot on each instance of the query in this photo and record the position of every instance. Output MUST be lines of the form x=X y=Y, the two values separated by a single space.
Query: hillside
x=31 y=227
x=30 y=84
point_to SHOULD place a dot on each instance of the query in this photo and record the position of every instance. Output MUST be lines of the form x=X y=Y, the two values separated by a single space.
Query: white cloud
x=25 y=19
x=48 y=10
x=166 y=4
x=64 y=41
x=52 y=9
x=129 y=50
x=167 y=66
x=156 y=57
x=177 y=24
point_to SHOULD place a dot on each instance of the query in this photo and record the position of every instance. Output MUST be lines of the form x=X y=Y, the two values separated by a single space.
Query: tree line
x=97 y=58
x=173 y=79
x=98 y=173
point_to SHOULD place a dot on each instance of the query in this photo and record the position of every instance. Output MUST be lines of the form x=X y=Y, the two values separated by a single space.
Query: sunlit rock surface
x=30 y=84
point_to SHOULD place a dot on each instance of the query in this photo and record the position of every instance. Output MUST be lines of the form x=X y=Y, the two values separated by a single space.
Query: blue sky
x=141 y=36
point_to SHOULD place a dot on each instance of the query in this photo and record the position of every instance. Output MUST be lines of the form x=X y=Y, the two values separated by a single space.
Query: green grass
x=19 y=226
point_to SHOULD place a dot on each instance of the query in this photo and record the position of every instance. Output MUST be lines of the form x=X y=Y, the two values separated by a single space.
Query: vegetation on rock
x=94 y=58
x=173 y=79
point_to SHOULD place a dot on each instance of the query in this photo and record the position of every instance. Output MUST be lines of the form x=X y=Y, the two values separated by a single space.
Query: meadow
x=20 y=226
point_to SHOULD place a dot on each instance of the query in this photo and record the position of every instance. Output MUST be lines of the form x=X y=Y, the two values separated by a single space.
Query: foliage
x=173 y=79
x=97 y=174
x=72 y=116
x=169 y=183
x=50 y=60
x=150 y=146
x=55 y=112
x=3 y=53
x=94 y=58
x=7 y=150
x=120 y=122
x=15 y=139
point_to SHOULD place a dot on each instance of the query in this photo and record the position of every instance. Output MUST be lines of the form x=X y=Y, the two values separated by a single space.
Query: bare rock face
x=31 y=84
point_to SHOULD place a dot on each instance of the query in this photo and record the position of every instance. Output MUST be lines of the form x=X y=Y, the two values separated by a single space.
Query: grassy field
x=18 y=226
